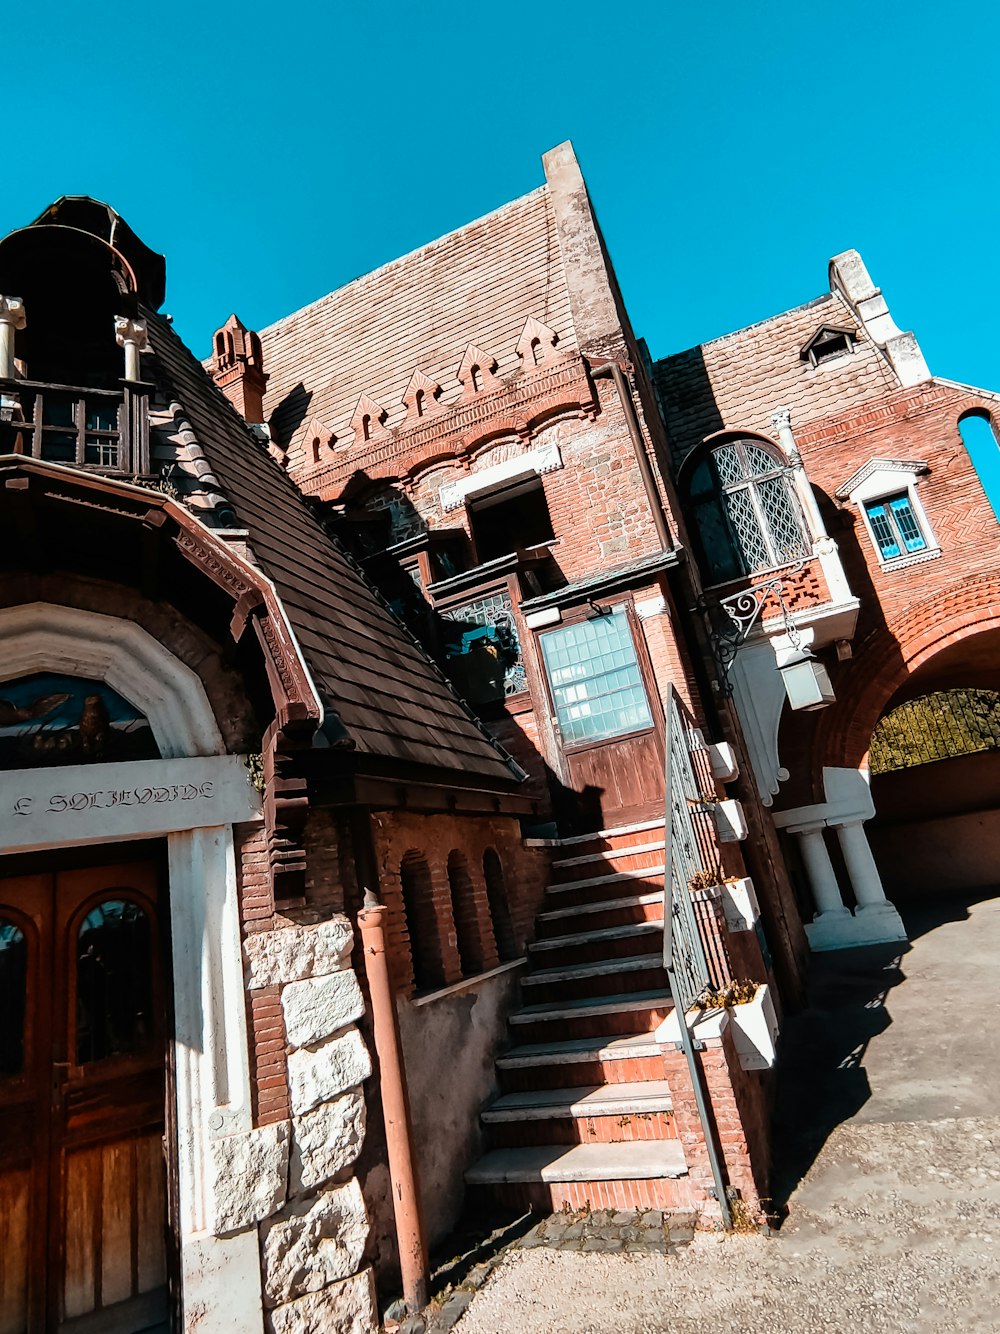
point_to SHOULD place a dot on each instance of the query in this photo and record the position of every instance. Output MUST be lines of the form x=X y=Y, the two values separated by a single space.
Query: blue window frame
x=595 y=679
x=895 y=526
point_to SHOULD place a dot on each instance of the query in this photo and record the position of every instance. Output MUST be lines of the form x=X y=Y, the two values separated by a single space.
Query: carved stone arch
x=477 y=372
x=368 y=420
x=421 y=397
x=536 y=345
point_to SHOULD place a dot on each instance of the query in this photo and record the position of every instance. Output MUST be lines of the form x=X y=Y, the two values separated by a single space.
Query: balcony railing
x=104 y=430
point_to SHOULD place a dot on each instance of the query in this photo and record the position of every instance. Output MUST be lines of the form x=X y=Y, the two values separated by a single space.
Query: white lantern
x=807 y=682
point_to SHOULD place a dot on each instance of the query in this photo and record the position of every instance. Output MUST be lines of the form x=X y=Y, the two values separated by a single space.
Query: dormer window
x=827 y=344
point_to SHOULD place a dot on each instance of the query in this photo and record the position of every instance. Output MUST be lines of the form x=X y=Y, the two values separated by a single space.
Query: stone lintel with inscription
x=97 y=803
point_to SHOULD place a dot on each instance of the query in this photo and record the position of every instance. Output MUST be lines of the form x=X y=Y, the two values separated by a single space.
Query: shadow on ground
x=822 y=1081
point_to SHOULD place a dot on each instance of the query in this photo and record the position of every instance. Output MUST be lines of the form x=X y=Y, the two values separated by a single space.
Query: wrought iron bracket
x=741 y=612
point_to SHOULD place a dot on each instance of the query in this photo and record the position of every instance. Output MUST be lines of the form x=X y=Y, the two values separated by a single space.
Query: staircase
x=584 y=1115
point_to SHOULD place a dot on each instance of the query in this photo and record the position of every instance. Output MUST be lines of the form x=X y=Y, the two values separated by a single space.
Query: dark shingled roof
x=390 y=697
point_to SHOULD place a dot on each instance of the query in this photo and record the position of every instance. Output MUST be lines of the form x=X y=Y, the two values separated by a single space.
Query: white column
x=876 y=917
x=823 y=545
x=819 y=868
x=12 y=318
x=132 y=336
x=865 y=879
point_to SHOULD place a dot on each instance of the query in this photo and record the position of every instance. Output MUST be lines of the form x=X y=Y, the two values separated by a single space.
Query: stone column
x=880 y=919
x=819 y=868
x=131 y=335
x=12 y=318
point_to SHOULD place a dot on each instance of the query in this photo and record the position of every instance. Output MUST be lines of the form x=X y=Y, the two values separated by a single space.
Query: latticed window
x=745 y=511
x=483 y=649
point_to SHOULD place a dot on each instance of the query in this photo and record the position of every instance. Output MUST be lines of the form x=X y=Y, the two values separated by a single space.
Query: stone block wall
x=293 y=1176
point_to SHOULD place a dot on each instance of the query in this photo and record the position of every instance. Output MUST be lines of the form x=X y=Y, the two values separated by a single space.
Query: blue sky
x=273 y=152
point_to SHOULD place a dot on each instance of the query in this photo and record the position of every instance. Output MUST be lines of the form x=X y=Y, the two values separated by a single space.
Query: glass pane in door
x=113 y=982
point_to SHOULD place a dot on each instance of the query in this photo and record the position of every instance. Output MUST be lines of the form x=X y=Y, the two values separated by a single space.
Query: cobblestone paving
x=646 y=1231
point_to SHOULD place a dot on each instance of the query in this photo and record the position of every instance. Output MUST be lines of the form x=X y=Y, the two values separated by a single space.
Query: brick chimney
x=239 y=370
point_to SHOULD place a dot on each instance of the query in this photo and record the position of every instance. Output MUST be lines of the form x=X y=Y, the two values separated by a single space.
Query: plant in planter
x=725 y=997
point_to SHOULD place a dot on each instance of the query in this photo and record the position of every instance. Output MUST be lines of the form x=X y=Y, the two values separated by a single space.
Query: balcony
x=101 y=430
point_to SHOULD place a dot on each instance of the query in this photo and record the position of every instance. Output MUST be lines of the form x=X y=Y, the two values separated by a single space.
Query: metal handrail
x=684 y=955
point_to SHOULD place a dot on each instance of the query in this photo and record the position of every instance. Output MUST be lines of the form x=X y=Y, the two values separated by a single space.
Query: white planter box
x=730 y=822
x=722 y=757
x=755 y=1031
x=739 y=903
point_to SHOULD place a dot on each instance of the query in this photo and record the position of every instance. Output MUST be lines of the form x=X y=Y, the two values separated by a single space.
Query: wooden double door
x=83 y=1024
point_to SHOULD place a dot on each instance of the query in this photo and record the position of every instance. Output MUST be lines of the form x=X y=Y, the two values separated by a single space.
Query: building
x=838 y=516
x=366 y=706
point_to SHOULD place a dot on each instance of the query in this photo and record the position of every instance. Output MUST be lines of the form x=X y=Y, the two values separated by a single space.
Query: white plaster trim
x=220 y=1276
x=533 y=463
x=902 y=467
x=39 y=637
x=467 y=983
x=83 y=804
x=918 y=558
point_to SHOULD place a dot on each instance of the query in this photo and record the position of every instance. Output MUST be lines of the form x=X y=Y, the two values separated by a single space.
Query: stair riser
x=591 y=1026
x=604 y=984
x=608 y=843
x=596 y=951
x=619 y=889
x=582 y=1130
x=594 y=866
x=599 y=921
x=580 y=1074
x=656 y=1193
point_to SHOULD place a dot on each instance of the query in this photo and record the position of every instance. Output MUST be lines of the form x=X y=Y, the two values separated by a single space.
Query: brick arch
x=889 y=657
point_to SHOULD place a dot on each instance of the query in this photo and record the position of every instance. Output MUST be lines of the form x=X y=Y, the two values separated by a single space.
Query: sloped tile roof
x=389 y=696
x=736 y=382
x=476 y=285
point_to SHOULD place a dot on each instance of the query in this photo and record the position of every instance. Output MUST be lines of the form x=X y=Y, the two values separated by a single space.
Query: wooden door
x=84 y=1007
x=607 y=721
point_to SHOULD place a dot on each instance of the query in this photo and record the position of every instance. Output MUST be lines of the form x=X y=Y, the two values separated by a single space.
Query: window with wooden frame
x=595 y=678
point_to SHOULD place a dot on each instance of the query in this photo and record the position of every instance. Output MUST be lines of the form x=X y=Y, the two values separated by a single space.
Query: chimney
x=239 y=370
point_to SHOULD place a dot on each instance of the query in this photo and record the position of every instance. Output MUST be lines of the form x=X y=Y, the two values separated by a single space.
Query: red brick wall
x=435 y=837
x=908 y=614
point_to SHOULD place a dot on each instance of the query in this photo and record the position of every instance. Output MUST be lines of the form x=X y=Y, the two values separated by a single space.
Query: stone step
x=602 y=906
x=634 y=1047
x=589 y=1007
x=644 y=972
x=576 y=972
x=597 y=936
x=580 y=1062
x=608 y=881
x=635 y=1161
x=607 y=835
x=609 y=854
x=567 y=1103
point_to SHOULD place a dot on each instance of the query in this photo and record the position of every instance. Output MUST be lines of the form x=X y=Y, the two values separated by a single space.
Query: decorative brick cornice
x=516 y=406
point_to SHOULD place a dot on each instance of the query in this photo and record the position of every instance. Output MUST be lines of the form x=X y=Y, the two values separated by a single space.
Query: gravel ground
x=894 y=1218
x=902 y=1233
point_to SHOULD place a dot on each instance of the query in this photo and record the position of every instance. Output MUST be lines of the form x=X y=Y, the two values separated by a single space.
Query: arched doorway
x=117 y=891
x=935 y=775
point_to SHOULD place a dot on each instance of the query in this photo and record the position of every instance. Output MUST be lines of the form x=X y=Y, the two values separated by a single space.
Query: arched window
x=496 y=894
x=745 y=511
x=979 y=437
x=421 y=922
x=472 y=949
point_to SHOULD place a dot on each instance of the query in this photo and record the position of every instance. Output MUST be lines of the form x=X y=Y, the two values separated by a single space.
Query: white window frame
x=882 y=480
